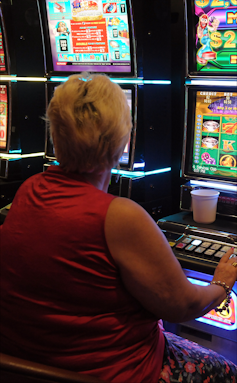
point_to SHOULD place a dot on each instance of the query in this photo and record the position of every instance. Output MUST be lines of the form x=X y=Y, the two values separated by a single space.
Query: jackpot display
x=3 y=116
x=215 y=134
x=88 y=36
x=213 y=49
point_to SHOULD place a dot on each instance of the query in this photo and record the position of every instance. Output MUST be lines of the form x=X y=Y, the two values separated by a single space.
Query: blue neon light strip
x=15 y=151
x=229 y=83
x=211 y=322
x=133 y=81
x=132 y=174
x=214 y=185
x=135 y=174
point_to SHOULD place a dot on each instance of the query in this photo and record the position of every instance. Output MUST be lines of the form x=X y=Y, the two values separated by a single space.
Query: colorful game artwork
x=3 y=116
x=89 y=35
x=215 y=136
x=2 y=54
x=216 y=36
x=227 y=319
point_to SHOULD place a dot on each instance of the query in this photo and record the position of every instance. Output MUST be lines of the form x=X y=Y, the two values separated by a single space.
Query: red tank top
x=62 y=299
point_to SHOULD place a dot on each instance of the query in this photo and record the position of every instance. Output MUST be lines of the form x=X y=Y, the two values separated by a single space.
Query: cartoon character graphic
x=205 y=26
x=62 y=29
x=76 y=4
x=59 y=7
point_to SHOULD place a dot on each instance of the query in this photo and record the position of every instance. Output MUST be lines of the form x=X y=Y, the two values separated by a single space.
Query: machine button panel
x=205 y=249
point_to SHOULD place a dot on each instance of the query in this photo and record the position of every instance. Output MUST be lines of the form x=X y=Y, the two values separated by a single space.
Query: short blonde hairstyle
x=90 y=123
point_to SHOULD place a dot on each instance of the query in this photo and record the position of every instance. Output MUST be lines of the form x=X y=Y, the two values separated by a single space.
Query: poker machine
x=9 y=137
x=104 y=36
x=94 y=37
x=209 y=160
x=21 y=98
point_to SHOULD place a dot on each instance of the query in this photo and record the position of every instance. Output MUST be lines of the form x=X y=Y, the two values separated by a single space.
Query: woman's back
x=61 y=289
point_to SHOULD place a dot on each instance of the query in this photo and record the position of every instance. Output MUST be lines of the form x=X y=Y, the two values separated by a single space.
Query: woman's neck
x=99 y=180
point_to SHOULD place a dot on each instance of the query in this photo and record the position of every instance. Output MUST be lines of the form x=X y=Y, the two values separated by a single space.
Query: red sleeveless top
x=62 y=299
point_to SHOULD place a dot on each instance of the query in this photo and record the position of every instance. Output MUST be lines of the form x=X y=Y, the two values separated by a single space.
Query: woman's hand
x=225 y=271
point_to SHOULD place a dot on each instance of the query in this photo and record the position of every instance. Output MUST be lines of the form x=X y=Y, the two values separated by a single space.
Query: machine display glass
x=3 y=116
x=3 y=63
x=2 y=52
x=85 y=35
x=211 y=145
x=126 y=158
x=212 y=36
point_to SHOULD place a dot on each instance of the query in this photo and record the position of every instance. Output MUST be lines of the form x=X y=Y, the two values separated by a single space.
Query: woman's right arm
x=151 y=272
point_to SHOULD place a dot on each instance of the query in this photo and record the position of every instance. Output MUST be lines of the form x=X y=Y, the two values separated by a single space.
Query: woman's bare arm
x=149 y=269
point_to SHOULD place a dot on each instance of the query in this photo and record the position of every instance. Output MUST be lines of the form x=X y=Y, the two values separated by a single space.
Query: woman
x=86 y=276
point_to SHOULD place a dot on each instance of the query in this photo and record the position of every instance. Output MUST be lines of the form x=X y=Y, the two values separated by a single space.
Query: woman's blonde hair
x=90 y=123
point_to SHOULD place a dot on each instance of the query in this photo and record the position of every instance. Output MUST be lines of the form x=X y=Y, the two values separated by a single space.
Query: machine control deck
x=200 y=248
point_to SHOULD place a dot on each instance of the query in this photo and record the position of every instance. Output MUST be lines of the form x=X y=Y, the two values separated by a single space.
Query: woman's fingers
x=227 y=255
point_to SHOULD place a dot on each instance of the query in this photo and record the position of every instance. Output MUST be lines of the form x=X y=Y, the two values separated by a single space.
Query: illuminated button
x=187 y=240
x=225 y=248
x=190 y=248
x=215 y=246
x=180 y=245
x=200 y=250
x=171 y=243
x=196 y=242
x=209 y=252
x=206 y=244
x=219 y=254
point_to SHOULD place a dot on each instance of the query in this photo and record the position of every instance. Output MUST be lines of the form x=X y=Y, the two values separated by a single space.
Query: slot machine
x=9 y=138
x=21 y=98
x=209 y=160
x=95 y=37
x=99 y=37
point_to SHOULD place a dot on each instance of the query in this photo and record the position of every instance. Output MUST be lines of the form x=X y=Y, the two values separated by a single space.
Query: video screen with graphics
x=212 y=135
x=2 y=52
x=84 y=35
x=126 y=156
x=215 y=36
x=3 y=116
x=227 y=318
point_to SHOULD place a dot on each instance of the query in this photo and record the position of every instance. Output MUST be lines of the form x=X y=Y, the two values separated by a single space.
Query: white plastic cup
x=204 y=204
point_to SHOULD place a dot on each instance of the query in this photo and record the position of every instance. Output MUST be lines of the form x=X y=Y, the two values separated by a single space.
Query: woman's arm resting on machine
x=151 y=272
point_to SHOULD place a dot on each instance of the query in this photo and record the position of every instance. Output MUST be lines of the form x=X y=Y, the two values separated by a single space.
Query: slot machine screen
x=127 y=158
x=212 y=37
x=211 y=134
x=4 y=115
x=3 y=55
x=93 y=36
